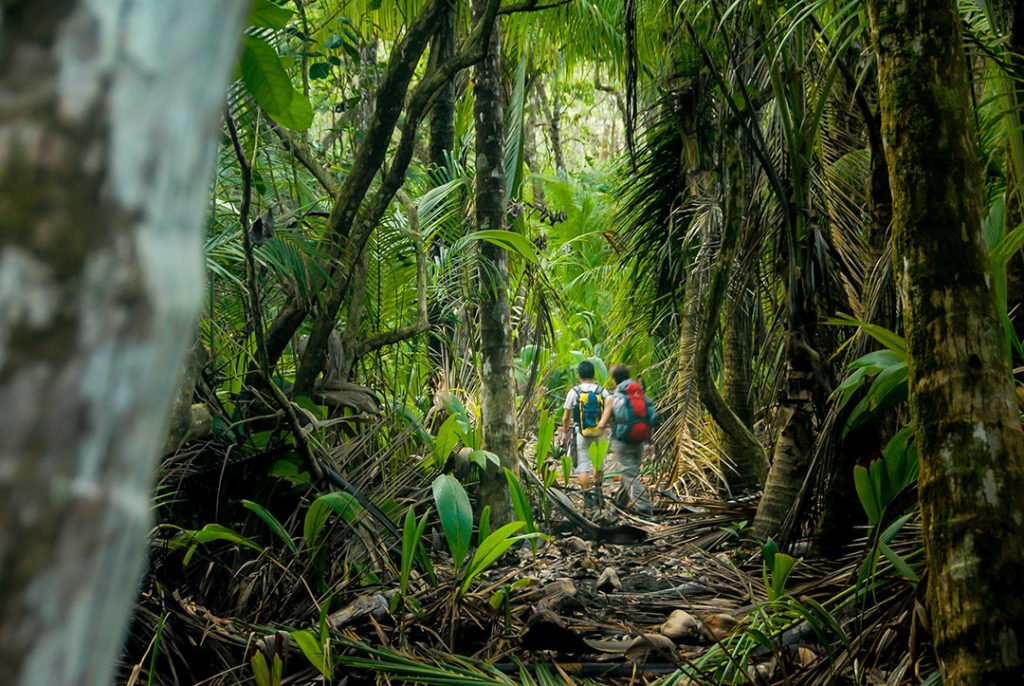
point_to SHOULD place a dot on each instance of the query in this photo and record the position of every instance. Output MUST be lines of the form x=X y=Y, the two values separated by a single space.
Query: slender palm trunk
x=497 y=383
x=962 y=401
x=731 y=425
x=442 y=141
x=107 y=135
x=737 y=380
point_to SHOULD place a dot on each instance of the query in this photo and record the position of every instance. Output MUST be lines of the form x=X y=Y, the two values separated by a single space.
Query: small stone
x=718 y=626
x=609 y=581
x=680 y=624
x=644 y=648
x=575 y=544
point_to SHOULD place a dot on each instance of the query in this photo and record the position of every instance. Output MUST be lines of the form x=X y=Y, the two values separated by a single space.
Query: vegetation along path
x=511 y=342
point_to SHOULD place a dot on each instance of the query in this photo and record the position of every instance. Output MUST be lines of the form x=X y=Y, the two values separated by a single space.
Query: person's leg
x=630 y=488
x=582 y=466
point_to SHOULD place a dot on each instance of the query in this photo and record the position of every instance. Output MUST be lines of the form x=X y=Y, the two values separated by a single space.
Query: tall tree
x=106 y=132
x=497 y=382
x=962 y=402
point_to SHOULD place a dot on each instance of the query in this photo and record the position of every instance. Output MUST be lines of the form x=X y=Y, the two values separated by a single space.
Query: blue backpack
x=633 y=413
x=588 y=411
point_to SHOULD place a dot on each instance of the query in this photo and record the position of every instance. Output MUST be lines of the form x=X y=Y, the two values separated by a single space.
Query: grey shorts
x=582 y=462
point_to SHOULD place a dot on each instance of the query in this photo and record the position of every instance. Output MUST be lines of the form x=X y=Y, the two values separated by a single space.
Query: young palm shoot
x=598 y=451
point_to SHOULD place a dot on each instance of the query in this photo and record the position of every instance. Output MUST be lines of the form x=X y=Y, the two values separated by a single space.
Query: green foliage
x=776 y=569
x=343 y=504
x=316 y=649
x=456 y=516
x=545 y=436
x=598 y=451
x=208 y=534
x=412 y=547
x=270 y=520
x=883 y=480
x=266 y=79
x=888 y=368
x=266 y=675
x=492 y=547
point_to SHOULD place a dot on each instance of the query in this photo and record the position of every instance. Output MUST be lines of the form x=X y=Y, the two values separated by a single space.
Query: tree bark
x=107 y=128
x=737 y=380
x=351 y=227
x=552 y=118
x=442 y=143
x=743 y=440
x=961 y=398
x=497 y=382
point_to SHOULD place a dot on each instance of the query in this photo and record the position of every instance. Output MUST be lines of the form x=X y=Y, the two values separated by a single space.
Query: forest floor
x=609 y=598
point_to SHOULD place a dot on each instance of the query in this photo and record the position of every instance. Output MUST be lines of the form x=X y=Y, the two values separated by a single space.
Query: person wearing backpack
x=634 y=419
x=582 y=410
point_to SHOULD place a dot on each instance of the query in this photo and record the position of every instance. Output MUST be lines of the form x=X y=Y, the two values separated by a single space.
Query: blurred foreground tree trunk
x=962 y=401
x=497 y=383
x=107 y=132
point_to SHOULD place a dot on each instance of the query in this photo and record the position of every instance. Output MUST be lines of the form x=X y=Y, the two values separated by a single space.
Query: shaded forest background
x=798 y=222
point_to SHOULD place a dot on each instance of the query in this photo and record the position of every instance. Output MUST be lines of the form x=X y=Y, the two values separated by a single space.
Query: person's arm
x=607 y=414
x=566 y=422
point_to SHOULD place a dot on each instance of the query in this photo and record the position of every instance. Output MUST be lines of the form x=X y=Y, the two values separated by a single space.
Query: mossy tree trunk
x=442 y=142
x=497 y=382
x=737 y=378
x=961 y=398
x=750 y=456
x=107 y=133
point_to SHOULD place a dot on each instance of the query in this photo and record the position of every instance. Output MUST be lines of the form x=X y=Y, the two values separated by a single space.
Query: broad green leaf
x=830 y=620
x=481 y=457
x=307 y=403
x=268 y=15
x=783 y=566
x=265 y=77
x=866 y=493
x=894 y=528
x=271 y=521
x=890 y=340
x=889 y=388
x=345 y=504
x=313 y=650
x=447 y=439
x=260 y=671
x=513 y=242
x=456 y=516
x=545 y=434
x=210 y=533
x=483 y=529
x=298 y=116
x=520 y=503
x=493 y=547
x=319 y=70
x=900 y=455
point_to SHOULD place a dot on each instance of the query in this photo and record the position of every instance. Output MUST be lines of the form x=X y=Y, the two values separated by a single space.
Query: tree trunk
x=107 y=129
x=737 y=381
x=552 y=118
x=961 y=398
x=497 y=383
x=442 y=141
x=744 y=441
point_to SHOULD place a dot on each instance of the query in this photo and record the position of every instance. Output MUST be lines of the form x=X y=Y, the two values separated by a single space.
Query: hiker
x=583 y=408
x=633 y=415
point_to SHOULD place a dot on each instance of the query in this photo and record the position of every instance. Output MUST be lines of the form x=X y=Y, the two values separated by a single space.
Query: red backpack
x=634 y=415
